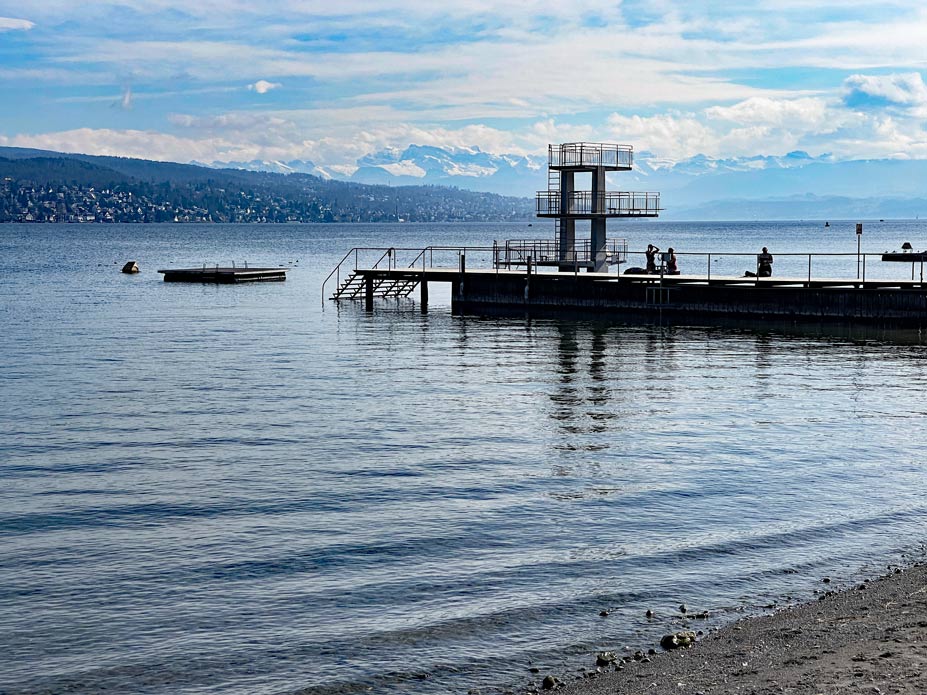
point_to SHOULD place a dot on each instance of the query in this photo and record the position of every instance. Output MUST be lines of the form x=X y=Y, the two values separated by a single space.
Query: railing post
x=709 y=267
x=809 y=270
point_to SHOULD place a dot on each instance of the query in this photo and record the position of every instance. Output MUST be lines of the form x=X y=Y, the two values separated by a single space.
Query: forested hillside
x=40 y=186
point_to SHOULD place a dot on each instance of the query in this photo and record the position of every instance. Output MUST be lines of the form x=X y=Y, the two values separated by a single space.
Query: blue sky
x=330 y=82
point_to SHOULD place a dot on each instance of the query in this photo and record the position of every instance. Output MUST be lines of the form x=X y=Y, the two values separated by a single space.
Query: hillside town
x=29 y=201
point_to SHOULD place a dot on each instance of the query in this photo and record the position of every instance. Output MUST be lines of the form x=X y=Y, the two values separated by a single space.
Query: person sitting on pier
x=672 y=268
x=764 y=263
x=651 y=254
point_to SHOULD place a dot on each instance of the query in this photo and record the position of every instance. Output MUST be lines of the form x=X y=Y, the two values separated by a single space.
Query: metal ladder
x=553 y=186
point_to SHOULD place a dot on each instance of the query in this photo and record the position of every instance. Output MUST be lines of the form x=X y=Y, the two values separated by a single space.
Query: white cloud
x=808 y=112
x=677 y=135
x=263 y=86
x=10 y=24
x=905 y=89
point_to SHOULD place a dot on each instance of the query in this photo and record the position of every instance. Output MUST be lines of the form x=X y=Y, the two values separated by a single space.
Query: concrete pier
x=884 y=302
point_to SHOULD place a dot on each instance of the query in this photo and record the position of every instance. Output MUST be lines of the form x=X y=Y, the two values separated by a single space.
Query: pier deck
x=452 y=274
x=487 y=291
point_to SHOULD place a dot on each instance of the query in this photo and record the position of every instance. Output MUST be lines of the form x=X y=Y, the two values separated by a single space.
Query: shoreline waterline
x=867 y=637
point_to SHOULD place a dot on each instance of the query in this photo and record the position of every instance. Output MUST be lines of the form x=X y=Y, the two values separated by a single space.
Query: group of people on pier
x=670 y=266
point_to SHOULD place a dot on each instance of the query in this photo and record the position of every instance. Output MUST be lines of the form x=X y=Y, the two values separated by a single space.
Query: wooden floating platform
x=223 y=275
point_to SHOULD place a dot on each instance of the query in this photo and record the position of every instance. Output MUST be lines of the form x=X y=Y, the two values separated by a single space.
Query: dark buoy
x=827 y=224
x=130 y=268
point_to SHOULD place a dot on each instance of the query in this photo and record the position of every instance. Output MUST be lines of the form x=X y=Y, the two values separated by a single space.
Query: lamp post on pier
x=859 y=239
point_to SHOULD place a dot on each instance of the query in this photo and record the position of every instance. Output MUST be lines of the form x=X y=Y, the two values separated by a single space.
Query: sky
x=331 y=82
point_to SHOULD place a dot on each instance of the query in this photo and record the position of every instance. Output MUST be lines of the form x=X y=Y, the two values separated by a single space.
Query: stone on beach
x=684 y=638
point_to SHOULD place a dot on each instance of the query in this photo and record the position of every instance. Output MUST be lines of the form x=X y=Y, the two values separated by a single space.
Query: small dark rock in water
x=638 y=655
x=534 y=669
x=702 y=616
x=683 y=608
x=130 y=268
x=826 y=580
x=649 y=613
x=603 y=613
x=549 y=683
x=651 y=652
x=605 y=658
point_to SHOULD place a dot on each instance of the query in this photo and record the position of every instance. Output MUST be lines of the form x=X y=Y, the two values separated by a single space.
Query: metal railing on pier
x=788 y=268
x=396 y=257
x=805 y=267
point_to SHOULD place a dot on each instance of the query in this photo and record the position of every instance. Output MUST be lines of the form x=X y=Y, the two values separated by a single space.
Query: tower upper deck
x=585 y=156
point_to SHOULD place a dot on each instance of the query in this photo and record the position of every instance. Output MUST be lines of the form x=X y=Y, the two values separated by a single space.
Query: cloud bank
x=675 y=78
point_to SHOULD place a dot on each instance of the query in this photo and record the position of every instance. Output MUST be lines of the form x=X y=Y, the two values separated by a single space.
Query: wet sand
x=869 y=639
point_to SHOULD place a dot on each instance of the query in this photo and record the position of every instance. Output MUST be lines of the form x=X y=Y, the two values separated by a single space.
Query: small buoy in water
x=130 y=267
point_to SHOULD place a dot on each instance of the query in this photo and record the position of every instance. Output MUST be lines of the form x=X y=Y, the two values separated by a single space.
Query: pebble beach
x=870 y=638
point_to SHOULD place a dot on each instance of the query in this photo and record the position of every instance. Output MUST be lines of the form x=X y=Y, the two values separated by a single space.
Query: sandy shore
x=868 y=639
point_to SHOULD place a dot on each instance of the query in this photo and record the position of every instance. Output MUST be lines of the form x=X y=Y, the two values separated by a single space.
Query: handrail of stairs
x=424 y=256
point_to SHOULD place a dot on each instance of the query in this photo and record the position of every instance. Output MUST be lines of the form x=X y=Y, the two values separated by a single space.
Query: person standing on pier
x=764 y=263
x=651 y=254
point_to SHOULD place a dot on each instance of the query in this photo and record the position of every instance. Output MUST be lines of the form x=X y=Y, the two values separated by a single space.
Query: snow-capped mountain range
x=686 y=185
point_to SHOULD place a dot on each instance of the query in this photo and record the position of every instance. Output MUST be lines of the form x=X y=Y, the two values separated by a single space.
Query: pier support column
x=566 y=252
x=423 y=294
x=597 y=242
x=368 y=293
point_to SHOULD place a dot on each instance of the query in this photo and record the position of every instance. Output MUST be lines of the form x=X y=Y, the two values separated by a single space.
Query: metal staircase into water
x=353 y=287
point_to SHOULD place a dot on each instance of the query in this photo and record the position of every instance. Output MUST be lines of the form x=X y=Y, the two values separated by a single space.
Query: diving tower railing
x=588 y=155
x=605 y=204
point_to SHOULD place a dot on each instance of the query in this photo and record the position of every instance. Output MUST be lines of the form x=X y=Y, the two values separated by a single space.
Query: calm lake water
x=228 y=489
